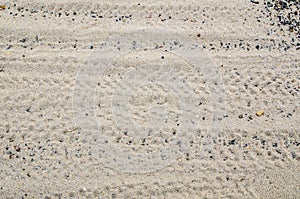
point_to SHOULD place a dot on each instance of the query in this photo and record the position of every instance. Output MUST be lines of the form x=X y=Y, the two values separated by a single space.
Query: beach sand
x=233 y=115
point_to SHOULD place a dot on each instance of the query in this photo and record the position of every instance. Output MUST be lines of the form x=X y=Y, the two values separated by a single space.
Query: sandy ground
x=240 y=110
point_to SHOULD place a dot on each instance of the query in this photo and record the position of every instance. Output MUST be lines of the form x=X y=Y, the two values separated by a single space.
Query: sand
x=152 y=99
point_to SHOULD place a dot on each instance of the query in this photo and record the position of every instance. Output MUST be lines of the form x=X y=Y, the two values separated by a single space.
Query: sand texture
x=150 y=99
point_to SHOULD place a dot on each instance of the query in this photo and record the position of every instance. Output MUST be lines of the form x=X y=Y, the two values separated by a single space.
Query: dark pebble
x=253 y=1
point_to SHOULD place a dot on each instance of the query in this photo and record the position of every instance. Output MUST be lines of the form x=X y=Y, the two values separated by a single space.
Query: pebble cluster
x=284 y=16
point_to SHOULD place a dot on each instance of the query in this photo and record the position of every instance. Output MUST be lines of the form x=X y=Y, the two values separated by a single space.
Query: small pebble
x=252 y=1
x=260 y=113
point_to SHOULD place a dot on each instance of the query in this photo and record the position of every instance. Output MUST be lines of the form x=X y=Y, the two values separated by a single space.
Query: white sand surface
x=149 y=99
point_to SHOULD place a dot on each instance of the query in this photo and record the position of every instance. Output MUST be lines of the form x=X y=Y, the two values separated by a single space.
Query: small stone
x=232 y=142
x=82 y=189
x=253 y=1
x=23 y=40
x=269 y=4
x=260 y=113
x=17 y=148
x=241 y=116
